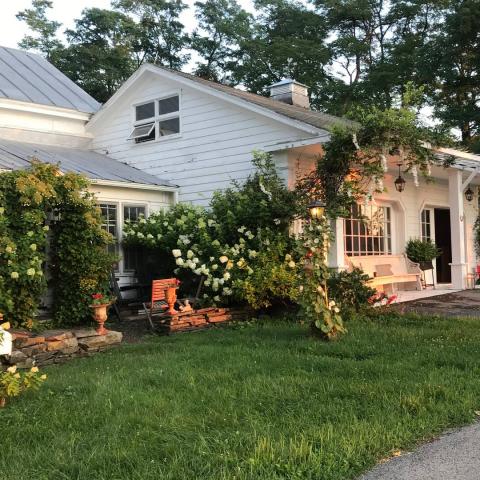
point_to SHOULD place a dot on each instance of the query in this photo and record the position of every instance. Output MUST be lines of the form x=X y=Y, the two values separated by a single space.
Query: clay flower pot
x=100 y=315
x=171 y=298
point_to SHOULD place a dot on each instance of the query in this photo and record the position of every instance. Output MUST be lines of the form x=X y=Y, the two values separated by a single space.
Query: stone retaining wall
x=56 y=346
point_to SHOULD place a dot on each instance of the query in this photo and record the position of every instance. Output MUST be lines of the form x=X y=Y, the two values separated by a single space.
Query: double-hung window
x=156 y=119
x=368 y=231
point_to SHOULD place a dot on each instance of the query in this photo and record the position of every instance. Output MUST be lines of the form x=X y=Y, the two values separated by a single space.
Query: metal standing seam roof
x=29 y=77
x=18 y=155
x=310 y=117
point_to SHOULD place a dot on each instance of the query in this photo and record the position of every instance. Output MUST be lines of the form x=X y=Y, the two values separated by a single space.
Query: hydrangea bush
x=240 y=245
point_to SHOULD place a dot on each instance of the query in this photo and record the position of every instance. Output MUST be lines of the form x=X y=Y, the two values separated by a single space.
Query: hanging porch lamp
x=469 y=194
x=316 y=209
x=400 y=181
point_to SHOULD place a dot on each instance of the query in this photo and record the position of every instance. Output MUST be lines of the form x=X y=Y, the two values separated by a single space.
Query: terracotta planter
x=171 y=298
x=100 y=315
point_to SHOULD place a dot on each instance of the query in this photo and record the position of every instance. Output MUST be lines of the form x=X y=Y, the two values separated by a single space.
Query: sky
x=65 y=12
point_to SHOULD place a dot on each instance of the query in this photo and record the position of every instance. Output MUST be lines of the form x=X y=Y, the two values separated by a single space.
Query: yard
x=258 y=401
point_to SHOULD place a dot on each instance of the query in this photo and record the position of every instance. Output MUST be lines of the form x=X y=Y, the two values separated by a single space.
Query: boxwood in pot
x=422 y=252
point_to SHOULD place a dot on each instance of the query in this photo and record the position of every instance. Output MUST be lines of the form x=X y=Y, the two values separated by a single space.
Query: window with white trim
x=156 y=119
x=368 y=231
x=426 y=225
x=110 y=224
x=132 y=256
x=114 y=216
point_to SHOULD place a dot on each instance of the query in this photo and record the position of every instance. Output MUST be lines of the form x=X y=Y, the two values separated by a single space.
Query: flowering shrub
x=350 y=290
x=13 y=383
x=381 y=299
x=240 y=245
x=317 y=308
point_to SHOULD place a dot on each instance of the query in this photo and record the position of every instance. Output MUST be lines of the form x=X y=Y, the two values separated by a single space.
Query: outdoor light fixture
x=400 y=181
x=316 y=209
x=469 y=194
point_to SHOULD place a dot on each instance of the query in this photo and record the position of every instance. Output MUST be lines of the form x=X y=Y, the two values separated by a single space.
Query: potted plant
x=422 y=252
x=99 y=306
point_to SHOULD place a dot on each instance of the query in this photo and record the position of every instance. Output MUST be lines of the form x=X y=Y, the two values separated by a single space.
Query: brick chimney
x=291 y=92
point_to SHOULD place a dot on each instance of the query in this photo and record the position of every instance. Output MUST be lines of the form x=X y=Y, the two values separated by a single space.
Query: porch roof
x=463 y=160
x=19 y=155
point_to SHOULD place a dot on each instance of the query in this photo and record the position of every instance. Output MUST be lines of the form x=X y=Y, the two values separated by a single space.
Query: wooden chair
x=158 y=304
x=126 y=302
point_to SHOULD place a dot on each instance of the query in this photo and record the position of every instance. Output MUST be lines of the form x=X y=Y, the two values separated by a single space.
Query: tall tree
x=288 y=40
x=160 y=36
x=99 y=57
x=222 y=27
x=45 y=38
x=455 y=58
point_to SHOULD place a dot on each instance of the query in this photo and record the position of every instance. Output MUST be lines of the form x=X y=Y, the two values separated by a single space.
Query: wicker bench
x=388 y=270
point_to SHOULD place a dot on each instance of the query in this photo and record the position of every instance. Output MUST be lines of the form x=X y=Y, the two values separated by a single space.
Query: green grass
x=260 y=402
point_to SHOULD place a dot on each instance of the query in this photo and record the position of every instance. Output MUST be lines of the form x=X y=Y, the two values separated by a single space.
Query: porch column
x=457 y=220
x=336 y=254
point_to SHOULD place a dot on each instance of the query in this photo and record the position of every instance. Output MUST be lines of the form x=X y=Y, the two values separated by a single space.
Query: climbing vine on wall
x=29 y=200
x=355 y=159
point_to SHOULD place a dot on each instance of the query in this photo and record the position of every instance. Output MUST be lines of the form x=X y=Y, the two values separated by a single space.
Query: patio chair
x=124 y=302
x=158 y=304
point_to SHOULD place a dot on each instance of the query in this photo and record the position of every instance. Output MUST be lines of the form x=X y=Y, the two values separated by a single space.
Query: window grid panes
x=426 y=225
x=110 y=223
x=132 y=256
x=368 y=231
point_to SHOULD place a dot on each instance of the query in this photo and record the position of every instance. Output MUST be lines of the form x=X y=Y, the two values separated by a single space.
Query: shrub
x=349 y=290
x=13 y=383
x=240 y=245
x=29 y=199
x=421 y=250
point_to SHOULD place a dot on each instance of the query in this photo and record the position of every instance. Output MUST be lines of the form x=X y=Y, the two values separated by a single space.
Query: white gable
x=215 y=144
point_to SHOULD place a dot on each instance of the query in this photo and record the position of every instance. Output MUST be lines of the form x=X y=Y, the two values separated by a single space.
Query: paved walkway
x=454 y=456
x=465 y=303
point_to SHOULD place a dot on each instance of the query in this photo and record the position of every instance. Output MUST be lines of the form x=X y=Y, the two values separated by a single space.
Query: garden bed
x=57 y=346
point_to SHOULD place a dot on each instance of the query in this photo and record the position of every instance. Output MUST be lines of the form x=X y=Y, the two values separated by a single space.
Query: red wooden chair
x=158 y=304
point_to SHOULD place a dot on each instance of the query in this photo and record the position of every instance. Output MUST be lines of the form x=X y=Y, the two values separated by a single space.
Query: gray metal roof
x=29 y=77
x=310 y=117
x=17 y=155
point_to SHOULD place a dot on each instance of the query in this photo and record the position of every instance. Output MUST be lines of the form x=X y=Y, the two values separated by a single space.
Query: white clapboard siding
x=216 y=143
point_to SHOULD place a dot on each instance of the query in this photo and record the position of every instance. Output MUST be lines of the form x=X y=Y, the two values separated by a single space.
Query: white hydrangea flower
x=252 y=253
x=33 y=247
x=291 y=264
x=140 y=235
x=142 y=220
x=214 y=266
x=223 y=259
x=242 y=229
x=31 y=272
x=30 y=234
x=212 y=259
x=226 y=276
x=216 y=298
x=14 y=275
x=149 y=236
x=189 y=254
x=179 y=261
x=177 y=253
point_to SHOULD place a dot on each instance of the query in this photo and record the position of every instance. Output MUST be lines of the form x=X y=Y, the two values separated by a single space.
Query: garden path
x=454 y=456
x=465 y=303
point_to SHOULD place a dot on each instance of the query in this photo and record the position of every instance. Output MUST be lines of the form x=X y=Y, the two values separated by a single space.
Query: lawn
x=261 y=401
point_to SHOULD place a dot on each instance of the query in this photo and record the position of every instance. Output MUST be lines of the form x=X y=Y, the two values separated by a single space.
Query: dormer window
x=156 y=119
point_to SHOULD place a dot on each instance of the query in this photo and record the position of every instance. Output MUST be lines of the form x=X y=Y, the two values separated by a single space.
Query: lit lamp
x=400 y=181
x=316 y=209
x=469 y=194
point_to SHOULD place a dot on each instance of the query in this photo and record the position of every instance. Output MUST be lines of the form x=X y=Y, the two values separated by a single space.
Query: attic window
x=143 y=133
x=156 y=119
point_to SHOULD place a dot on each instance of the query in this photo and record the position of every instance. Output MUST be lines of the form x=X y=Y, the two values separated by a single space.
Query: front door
x=443 y=240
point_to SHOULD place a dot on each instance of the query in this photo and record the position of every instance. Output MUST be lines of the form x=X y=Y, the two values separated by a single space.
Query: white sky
x=65 y=12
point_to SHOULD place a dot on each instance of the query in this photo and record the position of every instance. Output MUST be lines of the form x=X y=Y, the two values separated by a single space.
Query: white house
x=200 y=135
x=43 y=115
